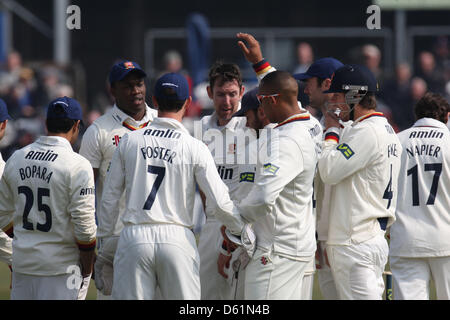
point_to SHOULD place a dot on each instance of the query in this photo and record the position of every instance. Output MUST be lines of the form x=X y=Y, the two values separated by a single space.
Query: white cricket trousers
x=358 y=268
x=214 y=286
x=60 y=287
x=412 y=277
x=270 y=276
x=152 y=255
x=325 y=276
x=308 y=281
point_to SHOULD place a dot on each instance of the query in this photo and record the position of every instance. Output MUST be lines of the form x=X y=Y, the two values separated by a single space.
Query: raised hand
x=250 y=48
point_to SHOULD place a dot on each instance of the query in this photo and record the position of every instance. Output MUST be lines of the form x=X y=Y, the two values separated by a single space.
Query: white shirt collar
x=55 y=141
x=231 y=125
x=430 y=122
x=169 y=122
x=121 y=116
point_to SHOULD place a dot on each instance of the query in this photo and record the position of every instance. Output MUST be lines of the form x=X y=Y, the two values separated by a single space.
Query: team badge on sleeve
x=247 y=177
x=271 y=168
x=345 y=150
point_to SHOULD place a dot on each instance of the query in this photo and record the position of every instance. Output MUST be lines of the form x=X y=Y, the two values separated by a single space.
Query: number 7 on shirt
x=160 y=172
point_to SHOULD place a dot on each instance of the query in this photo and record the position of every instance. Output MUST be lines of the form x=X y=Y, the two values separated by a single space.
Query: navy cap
x=175 y=81
x=349 y=76
x=321 y=68
x=249 y=102
x=121 y=69
x=3 y=111
x=71 y=109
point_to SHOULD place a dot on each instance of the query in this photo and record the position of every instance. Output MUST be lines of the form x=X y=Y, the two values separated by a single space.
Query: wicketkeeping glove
x=247 y=239
x=104 y=265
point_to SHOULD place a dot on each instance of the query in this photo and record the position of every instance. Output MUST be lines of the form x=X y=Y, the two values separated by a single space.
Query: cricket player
x=280 y=205
x=130 y=112
x=220 y=132
x=159 y=167
x=252 y=52
x=47 y=203
x=232 y=266
x=419 y=246
x=5 y=241
x=363 y=165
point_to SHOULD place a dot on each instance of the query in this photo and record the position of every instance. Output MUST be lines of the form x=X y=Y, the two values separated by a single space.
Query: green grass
x=5 y=279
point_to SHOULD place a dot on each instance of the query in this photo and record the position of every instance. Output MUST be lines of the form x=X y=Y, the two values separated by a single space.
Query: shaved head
x=278 y=96
x=280 y=82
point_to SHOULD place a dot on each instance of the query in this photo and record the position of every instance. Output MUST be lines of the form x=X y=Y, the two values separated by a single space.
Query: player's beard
x=226 y=112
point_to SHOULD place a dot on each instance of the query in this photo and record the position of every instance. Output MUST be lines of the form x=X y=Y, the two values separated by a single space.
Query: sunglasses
x=260 y=97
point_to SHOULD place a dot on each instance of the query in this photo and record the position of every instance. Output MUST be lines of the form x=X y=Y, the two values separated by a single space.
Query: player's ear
x=326 y=84
x=187 y=103
x=155 y=103
x=261 y=113
x=242 y=92
x=210 y=93
x=76 y=126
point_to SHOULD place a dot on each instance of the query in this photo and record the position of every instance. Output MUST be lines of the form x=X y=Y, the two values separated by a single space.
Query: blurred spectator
x=418 y=89
x=11 y=73
x=441 y=49
x=428 y=71
x=396 y=94
x=27 y=92
x=403 y=115
x=305 y=56
x=173 y=62
x=371 y=57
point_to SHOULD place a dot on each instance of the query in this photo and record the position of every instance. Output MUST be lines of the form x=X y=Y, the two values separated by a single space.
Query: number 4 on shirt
x=388 y=193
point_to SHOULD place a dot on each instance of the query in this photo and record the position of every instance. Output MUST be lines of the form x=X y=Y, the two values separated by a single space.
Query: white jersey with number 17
x=422 y=228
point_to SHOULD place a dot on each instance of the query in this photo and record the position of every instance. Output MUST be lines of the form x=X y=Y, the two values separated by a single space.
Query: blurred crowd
x=27 y=89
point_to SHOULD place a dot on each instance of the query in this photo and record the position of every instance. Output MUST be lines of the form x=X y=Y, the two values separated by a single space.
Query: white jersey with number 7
x=159 y=167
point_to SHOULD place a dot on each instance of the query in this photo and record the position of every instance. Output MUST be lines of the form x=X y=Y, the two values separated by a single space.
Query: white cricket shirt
x=47 y=190
x=422 y=228
x=225 y=143
x=99 y=143
x=280 y=204
x=159 y=167
x=363 y=165
x=5 y=240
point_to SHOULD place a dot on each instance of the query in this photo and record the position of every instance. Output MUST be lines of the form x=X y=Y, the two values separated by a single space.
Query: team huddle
x=285 y=194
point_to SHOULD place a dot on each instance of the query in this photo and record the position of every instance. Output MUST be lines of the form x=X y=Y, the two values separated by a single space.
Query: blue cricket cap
x=350 y=76
x=4 y=115
x=177 y=84
x=321 y=68
x=249 y=102
x=71 y=109
x=121 y=69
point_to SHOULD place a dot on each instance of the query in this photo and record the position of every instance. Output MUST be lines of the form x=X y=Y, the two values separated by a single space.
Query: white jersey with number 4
x=47 y=191
x=422 y=228
x=159 y=167
x=363 y=164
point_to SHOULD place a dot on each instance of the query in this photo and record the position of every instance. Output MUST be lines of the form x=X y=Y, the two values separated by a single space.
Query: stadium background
x=112 y=30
